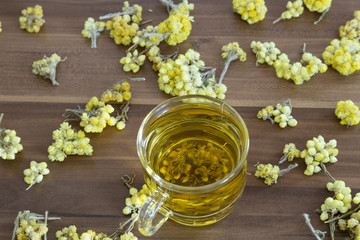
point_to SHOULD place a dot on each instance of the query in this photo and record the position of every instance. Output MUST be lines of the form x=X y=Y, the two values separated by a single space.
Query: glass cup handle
x=152 y=215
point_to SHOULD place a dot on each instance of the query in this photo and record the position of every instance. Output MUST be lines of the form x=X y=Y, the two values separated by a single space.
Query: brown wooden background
x=87 y=191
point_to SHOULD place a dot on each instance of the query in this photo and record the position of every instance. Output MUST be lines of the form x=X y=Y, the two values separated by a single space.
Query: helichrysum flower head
x=32 y=19
x=187 y=74
x=9 y=143
x=147 y=37
x=177 y=26
x=68 y=141
x=97 y=113
x=318 y=5
x=265 y=52
x=301 y=71
x=231 y=52
x=67 y=233
x=251 y=11
x=343 y=55
x=348 y=112
x=92 y=235
x=28 y=225
x=280 y=114
x=122 y=29
x=339 y=203
x=270 y=173
x=289 y=153
x=35 y=173
x=294 y=10
x=46 y=67
x=135 y=11
x=351 y=29
x=92 y=30
x=318 y=152
x=133 y=61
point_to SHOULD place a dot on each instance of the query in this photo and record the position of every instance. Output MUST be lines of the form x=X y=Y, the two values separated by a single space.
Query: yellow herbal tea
x=195 y=152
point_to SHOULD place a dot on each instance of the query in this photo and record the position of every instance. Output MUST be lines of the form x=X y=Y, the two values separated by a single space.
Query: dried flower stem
x=326 y=171
x=322 y=16
x=319 y=235
x=128 y=181
x=288 y=169
x=16 y=225
x=343 y=215
x=196 y=41
x=129 y=11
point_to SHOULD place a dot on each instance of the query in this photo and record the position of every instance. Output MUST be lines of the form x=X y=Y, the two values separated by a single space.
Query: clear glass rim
x=187 y=189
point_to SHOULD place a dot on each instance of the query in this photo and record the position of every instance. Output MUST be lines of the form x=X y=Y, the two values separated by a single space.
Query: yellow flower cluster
x=186 y=74
x=70 y=233
x=341 y=202
x=343 y=55
x=147 y=37
x=46 y=67
x=177 y=26
x=92 y=30
x=136 y=201
x=121 y=29
x=35 y=173
x=294 y=10
x=289 y=153
x=318 y=5
x=281 y=114
x=265 y=52
x=118 y=93
x=348 y=112
x=135 y=11
x=29 y=226
x=68 y=142
x=0 y=27
x=9 y=143
x=351 y=29
x=251 y=11
x=128 y=236
x=157 y=58
x=317 y=152
x=133 y=61
x=32 y=19
x=231 y=52
x=352 y=225
x=92 y=235
x=298 y=72
x=96 y=117
x=97 y=114
x=67 y=233
x=271 y=173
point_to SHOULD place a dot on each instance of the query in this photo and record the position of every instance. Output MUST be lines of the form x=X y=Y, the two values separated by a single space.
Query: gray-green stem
x=226 y=66
x=288 y=169
x=319 y=235
x=326 y=171
x=169 y=3
x=129 y=11
x=322 y=16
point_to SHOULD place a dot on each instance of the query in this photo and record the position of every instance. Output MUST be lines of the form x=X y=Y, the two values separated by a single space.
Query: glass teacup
x=193 y=151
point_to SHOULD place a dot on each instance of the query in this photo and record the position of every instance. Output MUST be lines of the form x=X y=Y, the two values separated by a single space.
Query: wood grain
x=87 y=191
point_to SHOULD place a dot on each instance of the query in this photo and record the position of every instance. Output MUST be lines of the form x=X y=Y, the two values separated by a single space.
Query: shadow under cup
x=192 y=198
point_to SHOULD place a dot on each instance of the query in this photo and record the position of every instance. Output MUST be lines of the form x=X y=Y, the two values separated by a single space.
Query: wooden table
x=88 y=192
